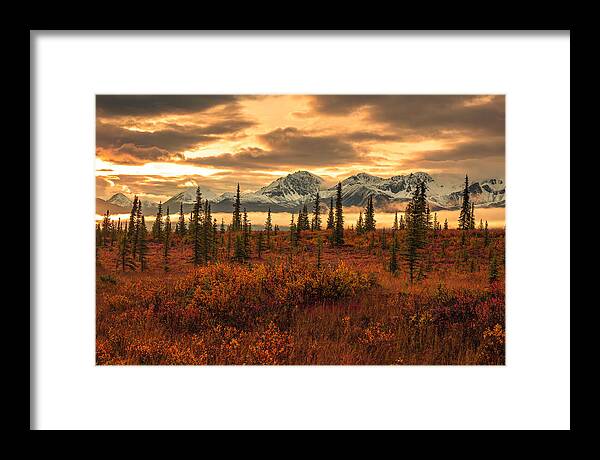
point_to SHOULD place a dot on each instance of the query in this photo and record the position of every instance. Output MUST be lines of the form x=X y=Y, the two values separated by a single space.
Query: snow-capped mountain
x=120 y=200
x=291 y=192
x=188 y=198
x=486 y=193
x=293 y=188
x=120 y=203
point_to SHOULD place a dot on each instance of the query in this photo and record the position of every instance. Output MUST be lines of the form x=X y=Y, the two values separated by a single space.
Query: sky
x=154 y=146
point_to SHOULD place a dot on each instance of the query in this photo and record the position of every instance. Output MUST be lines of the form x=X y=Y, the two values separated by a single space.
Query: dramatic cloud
x=154 y=145
x=134 y=105
x=427 y=114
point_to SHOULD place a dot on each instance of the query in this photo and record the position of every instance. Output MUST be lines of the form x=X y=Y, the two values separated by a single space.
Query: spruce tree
x=293 y=232
x=237 y=218
x=98 y=238
x=207 y=233
x=393 y=265
x=316 y=219
x=369 y=223
x=166 y=241
x=305 y=219
x=359 y=224
x=132 y=234
x=330 y=217
x=464 y=219
x=383 y=239
x=338 y=231
x=402 y=225
x=268 y=227
x=416 y=226
x=472 y=217
x=238 y=249
x=486 y=235
x=446 y=224
x=196 y=229
x=481 y=224
x=395 y=226
x=181 y=230
x=428 y=221
x=214 y=240
x=142 y=239
x=246 y=229
x=222 y=231
x=106 y=229
x=157 y=227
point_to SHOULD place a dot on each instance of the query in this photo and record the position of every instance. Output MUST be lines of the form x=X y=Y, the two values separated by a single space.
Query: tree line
x=413 y=228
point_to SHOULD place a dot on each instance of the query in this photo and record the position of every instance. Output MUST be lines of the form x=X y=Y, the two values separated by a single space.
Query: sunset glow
x=152 y=145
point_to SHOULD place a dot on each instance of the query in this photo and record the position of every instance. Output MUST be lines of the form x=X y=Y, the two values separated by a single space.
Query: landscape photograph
x=300 y=229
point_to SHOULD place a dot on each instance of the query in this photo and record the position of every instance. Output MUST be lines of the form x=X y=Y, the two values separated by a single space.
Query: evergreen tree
x=237 y=218
x=166 y=242
x=238 y=249
x=472 y=217
x=207 y=233
x=132 y=233
x=402 y=225
x=486 y=235
x=98 y=238
x=229 y=233
x=180 y=228
x=114 y=231
x=393 y=265
x=464 y=219
x=446 y=224
x=157 y=227
x=293 y=233
x=142 y=232
x=338 y=230
x=305 y=225
x=369 y=224
x=268 y=227
x=106 y=229
x=246 y=229
x=481 y=224
x=222 y=231
x=395 y=226
x=196 y=229
x=316 y=220
x=330 y=217
x=125 y=260
x=214 y=240
x=383 y=239
x=416 y=226
x=435 y=224
x=428 y=222
x=359 y=224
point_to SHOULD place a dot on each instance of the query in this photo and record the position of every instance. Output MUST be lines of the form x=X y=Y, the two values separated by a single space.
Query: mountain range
x=290 y=193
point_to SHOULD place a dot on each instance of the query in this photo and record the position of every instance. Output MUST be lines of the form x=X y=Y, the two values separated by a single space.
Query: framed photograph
x=279 y=226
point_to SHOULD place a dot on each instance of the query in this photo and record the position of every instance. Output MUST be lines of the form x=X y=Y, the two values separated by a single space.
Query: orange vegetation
x=282 y=309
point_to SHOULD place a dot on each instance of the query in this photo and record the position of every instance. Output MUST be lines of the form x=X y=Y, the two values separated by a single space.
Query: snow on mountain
x=485 y=193
x=119 y=199
x=293 y=188
x=292 y=191
x=187 y=197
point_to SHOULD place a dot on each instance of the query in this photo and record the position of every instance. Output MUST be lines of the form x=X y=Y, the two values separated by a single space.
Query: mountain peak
x=120 y=199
